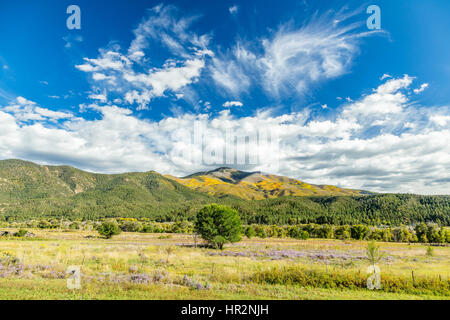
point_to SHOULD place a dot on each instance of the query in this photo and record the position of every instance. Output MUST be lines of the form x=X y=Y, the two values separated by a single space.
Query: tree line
x=373 y=210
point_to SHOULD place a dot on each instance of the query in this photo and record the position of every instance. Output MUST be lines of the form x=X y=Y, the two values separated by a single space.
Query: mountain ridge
x=257 y=185
x=218 y=182
x=31 y=191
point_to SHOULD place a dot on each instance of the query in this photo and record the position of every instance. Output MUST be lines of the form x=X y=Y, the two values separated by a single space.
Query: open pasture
x=174 y=266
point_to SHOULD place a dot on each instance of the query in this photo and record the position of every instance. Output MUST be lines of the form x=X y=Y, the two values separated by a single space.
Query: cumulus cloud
x=322 y=151
x=441 y=120
x=138 y=78
x=100 y=97
x=229 y=104
x=386 y=99
x=25 y=110
x=421 y=88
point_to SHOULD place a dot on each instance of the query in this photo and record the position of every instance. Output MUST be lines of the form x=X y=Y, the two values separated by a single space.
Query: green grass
x=38 y=289
x=240 y=271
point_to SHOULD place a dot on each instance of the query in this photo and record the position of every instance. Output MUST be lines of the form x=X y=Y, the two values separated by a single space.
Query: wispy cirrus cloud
x=292 y=59
x=288 y=62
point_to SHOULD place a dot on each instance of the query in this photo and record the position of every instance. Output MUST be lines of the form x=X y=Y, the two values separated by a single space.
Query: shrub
x=261 y=232
x=294 y=232
x=421 y=232
x=311 y=229
x=21 y=233
x=44 y=224
x=181 y=227
x=402 y=234
x=218 y=225
x=130 y=226
x=147 y=228
x=108 y=229
x=359 y=231
x=430 y=251
x=434 y=234
x=342 y=232
x=324 y=231
x=304 y=235
x=250 y=232
x=74 y=225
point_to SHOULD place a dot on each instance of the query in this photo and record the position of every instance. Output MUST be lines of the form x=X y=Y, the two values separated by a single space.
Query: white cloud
x=168 y=78
x=25 y=110
x=422 y=88
x=234 y=9
x=100 y=76
x=441 y=120
x=101 y=97
x=135 y=76
x=229 y=104
x=230 y=75
x=108 y=61
x=71 y=39
x=344 y=151
x=292 y=60
x=23 y=102
x=386 y=99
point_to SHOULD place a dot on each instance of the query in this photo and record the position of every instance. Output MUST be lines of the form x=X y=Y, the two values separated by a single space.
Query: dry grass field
x=170 y=266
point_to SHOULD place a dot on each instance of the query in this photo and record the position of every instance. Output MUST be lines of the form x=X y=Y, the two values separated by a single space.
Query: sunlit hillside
x=257 y=185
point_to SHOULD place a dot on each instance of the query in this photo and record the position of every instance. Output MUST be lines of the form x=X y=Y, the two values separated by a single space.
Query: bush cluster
x=420 y=233
x=423 y=233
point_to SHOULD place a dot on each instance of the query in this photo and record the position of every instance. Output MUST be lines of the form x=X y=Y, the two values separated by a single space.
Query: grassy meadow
x=176 y=266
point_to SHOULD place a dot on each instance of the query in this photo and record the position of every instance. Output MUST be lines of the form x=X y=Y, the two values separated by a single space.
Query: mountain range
x=256 y=185
x=32 y=191
x=29 y=180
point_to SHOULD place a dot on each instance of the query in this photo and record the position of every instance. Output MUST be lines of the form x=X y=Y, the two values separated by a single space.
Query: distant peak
x=224 y=169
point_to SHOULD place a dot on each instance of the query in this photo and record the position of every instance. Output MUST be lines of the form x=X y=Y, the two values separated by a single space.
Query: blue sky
x=124 y=92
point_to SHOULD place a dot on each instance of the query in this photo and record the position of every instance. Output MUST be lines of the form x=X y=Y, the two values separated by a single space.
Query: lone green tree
x=108 y=229
x=218 y=225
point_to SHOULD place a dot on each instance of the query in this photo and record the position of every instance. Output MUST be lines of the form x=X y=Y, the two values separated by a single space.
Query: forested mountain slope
x=31 y=191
